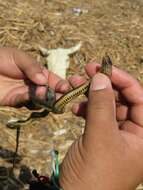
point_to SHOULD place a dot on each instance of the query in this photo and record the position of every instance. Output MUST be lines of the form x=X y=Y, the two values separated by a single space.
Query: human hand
x=108 y=154
x=19 y=73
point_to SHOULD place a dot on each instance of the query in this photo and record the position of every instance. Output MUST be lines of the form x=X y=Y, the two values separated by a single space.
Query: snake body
x=65 y=99
x=58 y=106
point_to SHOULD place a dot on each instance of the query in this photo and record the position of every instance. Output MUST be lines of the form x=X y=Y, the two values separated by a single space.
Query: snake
x=58 y=106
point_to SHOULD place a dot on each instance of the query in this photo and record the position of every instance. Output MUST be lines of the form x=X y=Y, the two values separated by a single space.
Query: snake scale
x=58 y=106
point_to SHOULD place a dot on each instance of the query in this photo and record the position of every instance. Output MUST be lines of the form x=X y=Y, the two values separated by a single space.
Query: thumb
x=101 y=113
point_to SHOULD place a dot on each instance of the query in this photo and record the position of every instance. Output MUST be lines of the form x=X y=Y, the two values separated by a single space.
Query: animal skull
x=58 y=59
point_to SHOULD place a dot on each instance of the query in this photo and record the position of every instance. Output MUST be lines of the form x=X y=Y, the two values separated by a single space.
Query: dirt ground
x=113 y=26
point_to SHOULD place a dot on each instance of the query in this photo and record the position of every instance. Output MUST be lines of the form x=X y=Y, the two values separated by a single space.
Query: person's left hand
x=19 y=72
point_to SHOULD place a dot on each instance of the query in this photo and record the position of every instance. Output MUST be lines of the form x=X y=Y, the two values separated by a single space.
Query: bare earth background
x=113 y=26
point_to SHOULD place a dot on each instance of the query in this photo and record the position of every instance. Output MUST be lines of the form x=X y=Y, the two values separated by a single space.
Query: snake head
x=106 y=66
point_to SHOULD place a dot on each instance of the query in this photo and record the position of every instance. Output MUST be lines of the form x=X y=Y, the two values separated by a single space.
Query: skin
x=19 y=74
x=109 y=153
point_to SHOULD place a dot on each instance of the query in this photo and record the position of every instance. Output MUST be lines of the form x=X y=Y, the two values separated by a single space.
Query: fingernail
x=41 y=78
x=100 y=82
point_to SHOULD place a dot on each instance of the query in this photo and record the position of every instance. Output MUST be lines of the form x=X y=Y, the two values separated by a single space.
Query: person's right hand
x=109 y=153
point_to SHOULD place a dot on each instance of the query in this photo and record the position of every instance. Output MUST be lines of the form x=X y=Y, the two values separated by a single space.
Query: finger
x=92 y=68
x=62 y=86
x=55 y=82
x=125 y=83
x=76 y=80
x=40 y=93
x=136 y=114
x=37 y=73
x=19 y=99
x=43 y=96
x=80 y=109
x=29 y=67
x=121 y=112
x=129 y=87
x=10 y=97
x=101 y=113
x=132 y=128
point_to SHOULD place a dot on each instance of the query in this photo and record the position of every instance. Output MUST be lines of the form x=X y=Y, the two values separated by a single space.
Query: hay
x=102 y=26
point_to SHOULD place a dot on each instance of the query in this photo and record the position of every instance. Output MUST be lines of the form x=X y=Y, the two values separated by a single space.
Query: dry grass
x=113 y=26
